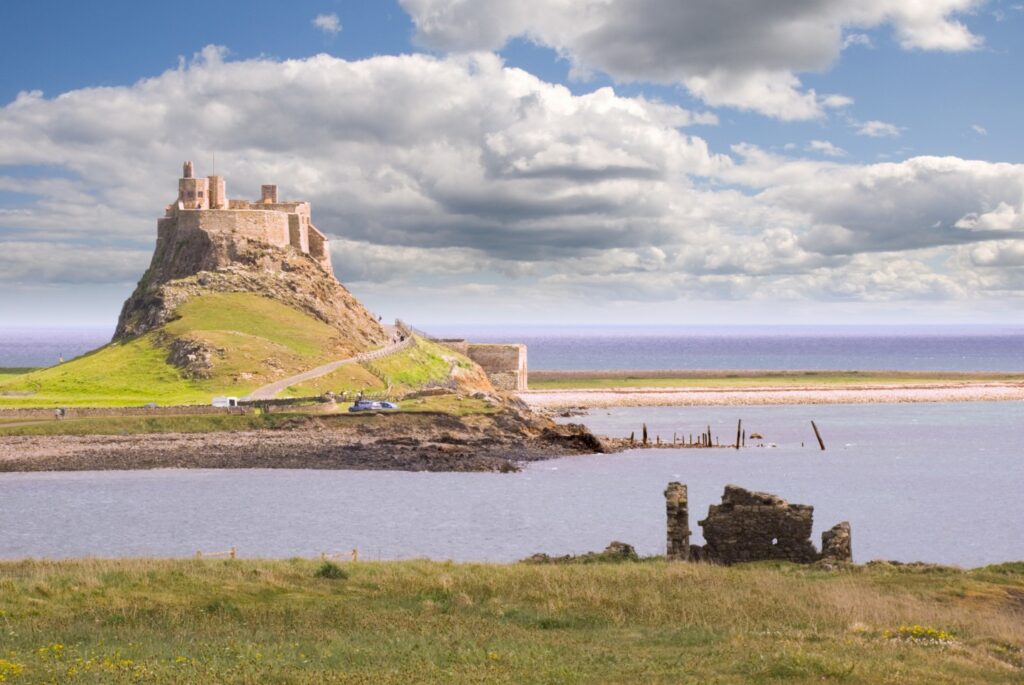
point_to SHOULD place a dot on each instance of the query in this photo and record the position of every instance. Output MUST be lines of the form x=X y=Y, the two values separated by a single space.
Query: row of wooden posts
x=704 y=439
x=352 y=555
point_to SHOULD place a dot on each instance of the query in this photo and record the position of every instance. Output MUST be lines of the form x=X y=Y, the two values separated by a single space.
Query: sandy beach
x=860 y=394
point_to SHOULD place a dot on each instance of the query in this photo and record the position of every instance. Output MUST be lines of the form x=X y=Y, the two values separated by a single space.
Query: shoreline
x=392 y=442
x=966 y=391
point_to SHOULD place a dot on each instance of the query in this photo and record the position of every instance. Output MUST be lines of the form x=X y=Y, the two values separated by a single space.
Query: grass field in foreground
x=187 y=621
x=585 y=380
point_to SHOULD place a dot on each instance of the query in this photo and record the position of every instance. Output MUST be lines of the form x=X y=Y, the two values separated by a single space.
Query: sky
x=668 y=162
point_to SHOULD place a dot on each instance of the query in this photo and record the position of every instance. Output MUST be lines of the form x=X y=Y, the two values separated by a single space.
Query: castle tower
x=268 y=194
x=193 y=193
x=218 y=192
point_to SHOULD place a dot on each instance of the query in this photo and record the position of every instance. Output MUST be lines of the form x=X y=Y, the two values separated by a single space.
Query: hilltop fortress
x=203 y=206
x=209 y=243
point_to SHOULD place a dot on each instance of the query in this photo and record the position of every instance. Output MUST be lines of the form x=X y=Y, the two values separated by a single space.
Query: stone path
x=271 y=390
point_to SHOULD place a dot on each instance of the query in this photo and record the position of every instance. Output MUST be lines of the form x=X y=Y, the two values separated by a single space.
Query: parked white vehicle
x=225 y=401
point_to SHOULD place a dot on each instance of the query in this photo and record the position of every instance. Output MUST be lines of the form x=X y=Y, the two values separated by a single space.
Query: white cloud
x=876 y=129
x=980 y=130
x=862 y=39
x=328 y=23
x=744 y=54
x=433 y=173
x=1003 y=217
x=826 y=148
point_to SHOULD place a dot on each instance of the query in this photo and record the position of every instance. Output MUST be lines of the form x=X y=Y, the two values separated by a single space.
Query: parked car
x=372 y=405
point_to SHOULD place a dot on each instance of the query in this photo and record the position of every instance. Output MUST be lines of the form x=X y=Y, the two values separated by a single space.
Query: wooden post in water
x=739 y=429
x=817 y=434
x=632 y=438
x=645 y=435
x=744 y=437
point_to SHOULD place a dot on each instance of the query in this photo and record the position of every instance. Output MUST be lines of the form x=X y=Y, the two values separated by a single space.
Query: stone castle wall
x=267 y=227
x=204 y=207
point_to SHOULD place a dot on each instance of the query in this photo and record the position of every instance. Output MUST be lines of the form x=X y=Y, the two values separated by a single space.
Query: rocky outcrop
x=201 y=262
x=615 y=552
x=193 y=357
x=752 y=526
x=414 y=441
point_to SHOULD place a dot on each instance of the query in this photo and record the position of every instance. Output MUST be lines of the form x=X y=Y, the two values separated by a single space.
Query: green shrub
x=332 y=571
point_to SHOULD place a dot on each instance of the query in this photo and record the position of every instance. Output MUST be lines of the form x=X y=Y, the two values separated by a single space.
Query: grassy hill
x=253 y=340
x=299 y=621
x=253 y=337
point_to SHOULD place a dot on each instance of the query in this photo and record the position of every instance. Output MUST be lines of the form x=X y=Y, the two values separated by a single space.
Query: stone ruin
x=751 y=526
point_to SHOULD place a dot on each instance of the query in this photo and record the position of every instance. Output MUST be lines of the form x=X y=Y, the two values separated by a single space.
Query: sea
x=938 y=482
x=866 y=348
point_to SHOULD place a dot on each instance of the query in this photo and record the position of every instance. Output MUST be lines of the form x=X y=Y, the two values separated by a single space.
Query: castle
x=203 y=206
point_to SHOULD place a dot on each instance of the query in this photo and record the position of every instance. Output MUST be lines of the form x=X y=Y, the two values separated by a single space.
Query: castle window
x=200 y=194
x=191 y=194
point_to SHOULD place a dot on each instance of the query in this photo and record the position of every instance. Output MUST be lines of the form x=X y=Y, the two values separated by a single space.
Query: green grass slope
x=258 y=340
x=422 y=365
x=298 y=621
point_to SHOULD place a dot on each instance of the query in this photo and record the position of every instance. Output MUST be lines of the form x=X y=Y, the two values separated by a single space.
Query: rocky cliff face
x=185 y=265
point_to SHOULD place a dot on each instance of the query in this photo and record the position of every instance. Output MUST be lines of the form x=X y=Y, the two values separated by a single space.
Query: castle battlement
x=203 y=205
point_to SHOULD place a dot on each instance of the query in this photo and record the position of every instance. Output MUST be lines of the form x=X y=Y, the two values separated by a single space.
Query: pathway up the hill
x=272 y=390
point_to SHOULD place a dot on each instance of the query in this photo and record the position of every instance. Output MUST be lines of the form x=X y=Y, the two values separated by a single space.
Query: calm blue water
x=918 y=348
x=45 y=346
x=921 y=348
x=932 y=482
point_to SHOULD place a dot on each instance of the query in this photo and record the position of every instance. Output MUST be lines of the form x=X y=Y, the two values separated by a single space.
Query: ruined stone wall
x=677 y=509
x=751 y=526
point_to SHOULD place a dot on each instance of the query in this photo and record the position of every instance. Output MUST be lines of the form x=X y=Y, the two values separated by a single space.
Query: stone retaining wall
x=84 y=412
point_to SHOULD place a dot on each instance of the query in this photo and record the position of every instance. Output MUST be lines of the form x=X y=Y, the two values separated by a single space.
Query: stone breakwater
x=699 y=397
